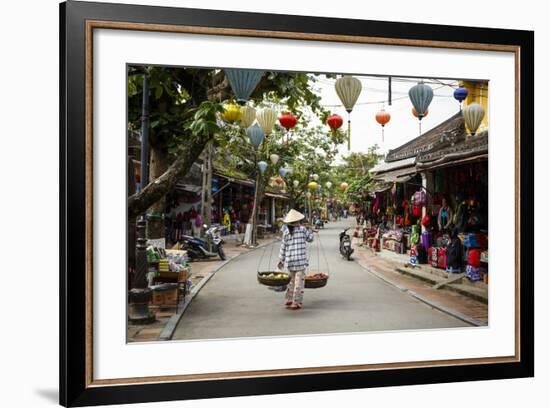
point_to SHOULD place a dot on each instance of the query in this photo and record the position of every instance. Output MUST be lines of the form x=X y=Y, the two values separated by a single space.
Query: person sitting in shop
x=445 y=216
x=460 y=216
x=454 y=253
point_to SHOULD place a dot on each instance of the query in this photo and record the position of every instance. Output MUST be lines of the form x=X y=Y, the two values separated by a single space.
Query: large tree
x=182 y=122
x=355 y=170
x=307 y=149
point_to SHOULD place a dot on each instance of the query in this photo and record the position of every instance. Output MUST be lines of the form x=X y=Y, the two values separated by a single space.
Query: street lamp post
x=140 y=295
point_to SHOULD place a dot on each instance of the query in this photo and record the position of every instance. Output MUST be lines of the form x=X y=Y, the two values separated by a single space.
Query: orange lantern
x=383 y=117
x=344 y=185
x=415 y=113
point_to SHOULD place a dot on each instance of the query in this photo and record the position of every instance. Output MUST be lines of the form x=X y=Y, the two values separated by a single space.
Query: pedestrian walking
x=294 y=254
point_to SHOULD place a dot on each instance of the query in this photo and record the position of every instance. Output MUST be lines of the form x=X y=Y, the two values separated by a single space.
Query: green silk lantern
x=473 y=116
x=348 y=89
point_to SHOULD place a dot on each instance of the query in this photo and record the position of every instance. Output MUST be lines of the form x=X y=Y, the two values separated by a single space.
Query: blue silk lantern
x=243 y=82
x=256 y=135
x=460 y=94
x=262 y=166
x=421 y=96
x=283 y=171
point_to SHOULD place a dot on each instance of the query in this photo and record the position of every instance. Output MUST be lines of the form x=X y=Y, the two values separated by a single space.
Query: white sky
x=403 y=126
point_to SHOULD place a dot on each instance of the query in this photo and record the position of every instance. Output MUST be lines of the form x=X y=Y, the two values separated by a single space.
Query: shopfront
x=431 y=195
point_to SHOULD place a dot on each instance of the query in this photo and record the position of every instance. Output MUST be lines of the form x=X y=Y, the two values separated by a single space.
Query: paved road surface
x=233 y=304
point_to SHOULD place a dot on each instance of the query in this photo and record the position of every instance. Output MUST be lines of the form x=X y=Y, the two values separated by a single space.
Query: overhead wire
x=384 y=100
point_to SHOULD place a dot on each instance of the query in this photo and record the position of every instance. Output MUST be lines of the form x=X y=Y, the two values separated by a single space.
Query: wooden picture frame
x=77 y=22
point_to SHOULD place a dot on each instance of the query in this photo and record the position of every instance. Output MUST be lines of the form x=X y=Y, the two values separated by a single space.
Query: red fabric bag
x=442 y=258
x=426 y=220
x=432 y=256
x=437 y=257
x=473 y=257
x=417 y=210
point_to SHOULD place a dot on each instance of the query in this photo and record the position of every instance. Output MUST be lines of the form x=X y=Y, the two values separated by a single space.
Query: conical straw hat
x=293 y=216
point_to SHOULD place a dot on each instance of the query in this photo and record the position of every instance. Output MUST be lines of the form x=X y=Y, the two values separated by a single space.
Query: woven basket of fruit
x=273 y=278
x=316 y=280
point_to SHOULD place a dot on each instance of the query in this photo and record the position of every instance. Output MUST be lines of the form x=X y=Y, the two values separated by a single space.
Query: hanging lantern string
x=384 y=100
x=433 y=81
x=349 y=130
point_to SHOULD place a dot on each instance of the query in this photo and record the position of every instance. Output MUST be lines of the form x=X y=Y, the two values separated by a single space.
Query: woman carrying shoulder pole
x=293 y=253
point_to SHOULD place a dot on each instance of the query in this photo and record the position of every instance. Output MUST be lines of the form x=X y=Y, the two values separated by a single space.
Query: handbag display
x=442 y=241
x=421 y=254
x=484 y=257
x=441 y=258
x=417 y=211
x=474 y=257
x=474 y=273
x=419 y=198
x=426 y=220
x=475 y=240
x=437 y=257
x=426 y=239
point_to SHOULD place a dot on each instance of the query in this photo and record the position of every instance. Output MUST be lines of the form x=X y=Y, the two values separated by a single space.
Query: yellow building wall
x=478 y=92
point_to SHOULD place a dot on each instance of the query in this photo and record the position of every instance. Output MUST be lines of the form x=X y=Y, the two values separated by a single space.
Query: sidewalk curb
x=170 y=328
x=435 y=305
x=464 y=292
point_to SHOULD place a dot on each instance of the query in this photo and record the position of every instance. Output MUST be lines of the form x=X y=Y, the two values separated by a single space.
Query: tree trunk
x=131 y=232
x=208 y=193
x=258 y=195
x=138 y=203
x=159 y=163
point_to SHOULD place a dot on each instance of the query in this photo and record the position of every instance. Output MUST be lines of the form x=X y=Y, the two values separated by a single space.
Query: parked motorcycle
x=345 y=245
x=318 y=223
x=198 y=248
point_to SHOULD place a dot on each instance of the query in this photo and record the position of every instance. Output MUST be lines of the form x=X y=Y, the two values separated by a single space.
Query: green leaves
x=355 y=171
x=204 y=121
x=295 y=90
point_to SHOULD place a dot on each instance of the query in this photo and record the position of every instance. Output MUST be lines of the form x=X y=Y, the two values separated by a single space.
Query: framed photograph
x=259 y=204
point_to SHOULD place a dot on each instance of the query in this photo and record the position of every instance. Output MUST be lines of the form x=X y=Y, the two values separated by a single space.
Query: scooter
x=345 y=245
x=198 y=248
x=318 y=223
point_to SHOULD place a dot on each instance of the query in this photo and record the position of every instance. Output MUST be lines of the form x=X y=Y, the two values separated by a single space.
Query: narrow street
x=233 y=303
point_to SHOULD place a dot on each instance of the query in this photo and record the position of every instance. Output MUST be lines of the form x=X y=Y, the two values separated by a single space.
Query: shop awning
x=380 y=187
x=396 y=176
x=387 y=166
x=188 y=187
x=244 y=182
x=279 y=196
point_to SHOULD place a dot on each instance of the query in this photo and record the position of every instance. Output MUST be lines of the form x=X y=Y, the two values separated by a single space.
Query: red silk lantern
x=287 y=120
x=335 y=121
x=383 y=117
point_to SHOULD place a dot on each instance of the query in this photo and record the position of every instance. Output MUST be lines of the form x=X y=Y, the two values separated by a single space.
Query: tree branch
x=140 y=202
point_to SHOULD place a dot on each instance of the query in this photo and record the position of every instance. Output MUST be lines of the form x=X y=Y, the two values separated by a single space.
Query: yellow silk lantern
x=312 y=186
x=232 y=113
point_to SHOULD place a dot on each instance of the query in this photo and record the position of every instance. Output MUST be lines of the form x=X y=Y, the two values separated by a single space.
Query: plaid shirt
x=293 y=248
